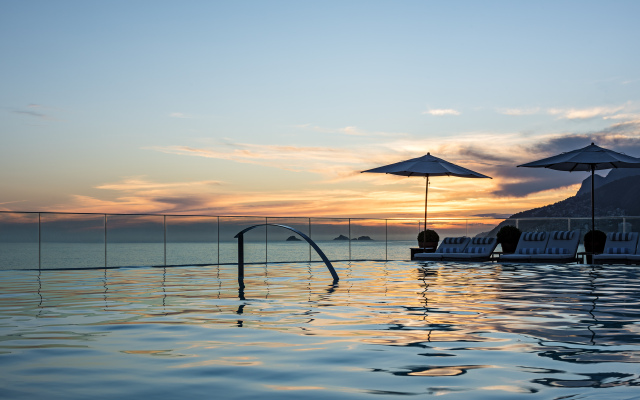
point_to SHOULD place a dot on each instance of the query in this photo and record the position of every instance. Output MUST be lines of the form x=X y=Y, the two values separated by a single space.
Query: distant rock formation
x=293 y=239
x=343 y=237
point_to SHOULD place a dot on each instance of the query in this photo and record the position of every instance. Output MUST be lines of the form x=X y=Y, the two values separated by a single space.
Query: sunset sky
x=273 y=108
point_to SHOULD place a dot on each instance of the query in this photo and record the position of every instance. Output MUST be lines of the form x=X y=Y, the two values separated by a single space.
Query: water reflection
x=448 y=327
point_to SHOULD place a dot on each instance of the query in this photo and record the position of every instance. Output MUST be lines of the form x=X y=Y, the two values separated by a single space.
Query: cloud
x=32 y=113
x=349 y=130
x=139 y=183
x=605 y=112
x=493 y=215
x=484 y=155
x=35 y=111
x=441 y=112
x=584 y=113
x=315 y=159
x=522 y=182
x=519 y=111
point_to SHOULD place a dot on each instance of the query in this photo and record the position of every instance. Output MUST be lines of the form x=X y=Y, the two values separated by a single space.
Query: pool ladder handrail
x=240 y=237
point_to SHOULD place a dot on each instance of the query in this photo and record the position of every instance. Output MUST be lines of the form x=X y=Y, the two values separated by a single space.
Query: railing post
x=105 y=241
x=164 y=225
x=39 y=243
x=310 y=237
x=349 y=239
x=218 y=240
x=266 y=240
x=241 y=260
x=386 y=240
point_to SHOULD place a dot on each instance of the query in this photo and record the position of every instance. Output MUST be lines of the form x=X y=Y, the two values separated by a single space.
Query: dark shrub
x=428 y=236
x=599 y=239
x=508 y=237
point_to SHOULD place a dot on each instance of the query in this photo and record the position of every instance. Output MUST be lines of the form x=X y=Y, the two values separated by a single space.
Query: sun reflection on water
x=465 y=330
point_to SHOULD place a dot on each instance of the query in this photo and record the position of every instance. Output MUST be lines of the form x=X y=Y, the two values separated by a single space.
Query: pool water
x=461 y=331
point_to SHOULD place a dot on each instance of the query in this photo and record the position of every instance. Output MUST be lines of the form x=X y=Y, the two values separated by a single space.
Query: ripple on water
x=386 y=329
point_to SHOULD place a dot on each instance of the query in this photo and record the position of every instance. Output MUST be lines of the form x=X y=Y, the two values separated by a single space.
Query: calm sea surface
x=461 y=331
x=94 y=255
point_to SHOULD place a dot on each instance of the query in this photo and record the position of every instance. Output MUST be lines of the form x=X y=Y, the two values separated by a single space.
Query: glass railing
x=32 y=240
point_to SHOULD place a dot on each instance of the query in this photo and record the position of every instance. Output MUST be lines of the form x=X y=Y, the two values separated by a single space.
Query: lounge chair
x=617 y=249
x=562 y=247
x=635 y=258
x=448 y=246
x=479 y=249
x=530 y=243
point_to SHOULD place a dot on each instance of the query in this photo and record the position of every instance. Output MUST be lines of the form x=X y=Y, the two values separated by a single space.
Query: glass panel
x=192 y=240
x=19 y=241
x=332 y=236
x=609 y=224
x=402 y=235
x=255 y=249
x=544 y=224
x=135 y=240
x=368 y=239
x=449 y=227
x=72 y=241
x=284 y=245
x=482 y=227
x=630 y=224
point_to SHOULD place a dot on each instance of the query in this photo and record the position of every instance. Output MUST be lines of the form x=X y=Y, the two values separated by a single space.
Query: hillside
x=618 y=198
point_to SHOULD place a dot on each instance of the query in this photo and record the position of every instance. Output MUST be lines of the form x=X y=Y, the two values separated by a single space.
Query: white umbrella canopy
x=426 y=166
x=589 y=158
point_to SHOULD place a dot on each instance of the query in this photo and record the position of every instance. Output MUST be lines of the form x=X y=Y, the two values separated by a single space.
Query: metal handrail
x=240 y=237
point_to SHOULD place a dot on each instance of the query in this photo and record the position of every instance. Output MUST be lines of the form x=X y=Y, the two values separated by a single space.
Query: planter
x=509 y=247
x=599 y=239
x=598 y=246
x=508 y=237
x=429 y=247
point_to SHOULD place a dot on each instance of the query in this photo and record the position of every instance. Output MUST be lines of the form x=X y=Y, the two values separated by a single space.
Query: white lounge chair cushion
x=620 y=236
x=563 y=235
x=535 y=236
x=475 y=250
x=454 y=240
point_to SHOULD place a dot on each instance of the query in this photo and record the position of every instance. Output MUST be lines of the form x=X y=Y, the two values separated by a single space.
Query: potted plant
x=594 y=241
x=508 y=236
x=428 y=239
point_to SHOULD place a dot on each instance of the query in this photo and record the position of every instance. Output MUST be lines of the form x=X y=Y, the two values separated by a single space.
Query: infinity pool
x=461 y=331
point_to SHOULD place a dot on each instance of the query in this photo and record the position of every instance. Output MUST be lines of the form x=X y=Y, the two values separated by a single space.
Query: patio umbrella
x=427 y=166
x=590 y=158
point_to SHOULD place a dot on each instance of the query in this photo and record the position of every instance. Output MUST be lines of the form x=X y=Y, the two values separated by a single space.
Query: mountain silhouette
x=619 y=197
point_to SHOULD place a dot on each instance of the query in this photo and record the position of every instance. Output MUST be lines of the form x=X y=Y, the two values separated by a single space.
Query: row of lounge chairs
x=553 y=247
x=620 y=248
x=461 y=249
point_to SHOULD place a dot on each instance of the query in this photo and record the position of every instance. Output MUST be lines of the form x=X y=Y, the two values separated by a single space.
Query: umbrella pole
x=426 y=196
x=593 y=189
